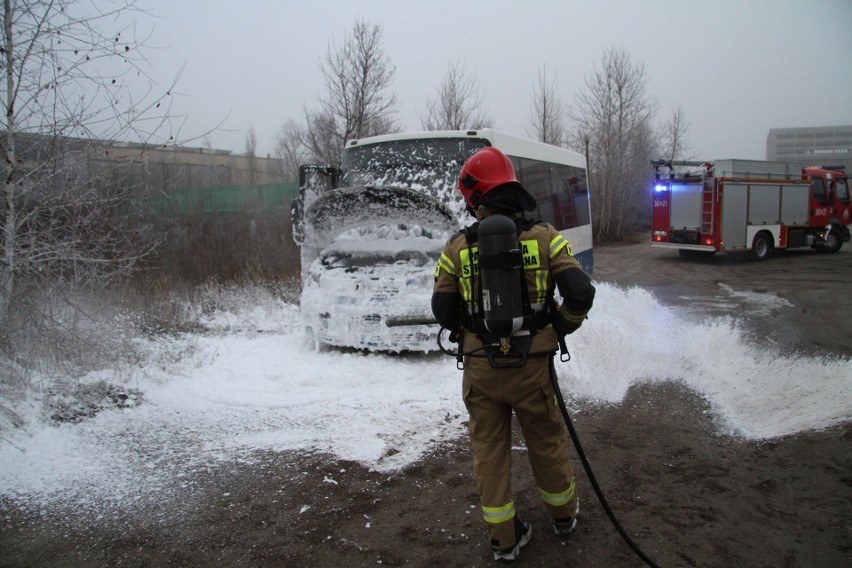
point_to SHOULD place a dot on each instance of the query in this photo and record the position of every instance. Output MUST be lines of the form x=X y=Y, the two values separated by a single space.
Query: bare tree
x=322 y=138
x=290 y=150
x=357 y=101
x=251 y=153
x=613 y=115
x=251 y=142
x=673 y=137
x=459 y=104
x=548 y=111
x=70 y=78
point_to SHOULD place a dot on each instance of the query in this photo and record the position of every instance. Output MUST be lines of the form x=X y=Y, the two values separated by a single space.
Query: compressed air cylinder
x=500 y=265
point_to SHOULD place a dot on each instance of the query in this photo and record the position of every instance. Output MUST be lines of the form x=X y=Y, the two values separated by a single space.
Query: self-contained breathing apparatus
x=503 y=318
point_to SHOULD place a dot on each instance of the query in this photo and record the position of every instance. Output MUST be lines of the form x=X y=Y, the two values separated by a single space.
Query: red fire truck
x=749 y=205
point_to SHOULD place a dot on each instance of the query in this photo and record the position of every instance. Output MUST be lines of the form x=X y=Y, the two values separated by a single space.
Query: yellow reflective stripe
x=541 y=286
x=573 y=318
x=558 y=243
x=502 y=514
x=445 y=263
x=467 y=290
x=557 y=499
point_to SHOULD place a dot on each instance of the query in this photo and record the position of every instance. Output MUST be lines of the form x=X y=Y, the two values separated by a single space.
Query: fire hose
x=576 y=440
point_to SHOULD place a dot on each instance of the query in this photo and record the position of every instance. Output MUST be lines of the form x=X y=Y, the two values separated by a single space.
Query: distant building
x=167 y=178
x=818 y=145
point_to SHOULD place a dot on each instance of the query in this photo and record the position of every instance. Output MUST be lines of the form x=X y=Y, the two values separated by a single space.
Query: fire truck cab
x=749 y=205
x=830 y=188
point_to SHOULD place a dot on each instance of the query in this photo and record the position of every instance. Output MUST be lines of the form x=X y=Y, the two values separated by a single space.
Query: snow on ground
x=757 y=304
x=254 y=382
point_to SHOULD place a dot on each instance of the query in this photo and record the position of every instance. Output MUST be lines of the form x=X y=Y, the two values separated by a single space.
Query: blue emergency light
x=660 y=187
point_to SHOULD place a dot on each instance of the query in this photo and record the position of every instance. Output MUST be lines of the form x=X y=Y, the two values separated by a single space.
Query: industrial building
x=817 y=145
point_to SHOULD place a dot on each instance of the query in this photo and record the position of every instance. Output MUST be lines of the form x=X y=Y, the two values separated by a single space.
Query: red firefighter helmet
x=482 y=172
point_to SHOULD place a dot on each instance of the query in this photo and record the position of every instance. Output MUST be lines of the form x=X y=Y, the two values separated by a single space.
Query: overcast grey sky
x=737 y=67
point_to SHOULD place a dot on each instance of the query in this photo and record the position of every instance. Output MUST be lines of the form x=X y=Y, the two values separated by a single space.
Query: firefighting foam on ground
x=254 y=381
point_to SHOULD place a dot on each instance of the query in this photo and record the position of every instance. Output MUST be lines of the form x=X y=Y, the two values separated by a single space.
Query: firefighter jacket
x=548 y=263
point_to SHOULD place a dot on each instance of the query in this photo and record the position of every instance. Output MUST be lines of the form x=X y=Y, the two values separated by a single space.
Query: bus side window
x=533 y=176
x=560 y=191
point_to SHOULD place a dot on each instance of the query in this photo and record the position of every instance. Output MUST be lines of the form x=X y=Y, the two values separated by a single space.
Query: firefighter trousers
x=491 y=395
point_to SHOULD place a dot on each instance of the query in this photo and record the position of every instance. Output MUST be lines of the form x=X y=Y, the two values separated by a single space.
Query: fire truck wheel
x=833 y=242
x=761 y=247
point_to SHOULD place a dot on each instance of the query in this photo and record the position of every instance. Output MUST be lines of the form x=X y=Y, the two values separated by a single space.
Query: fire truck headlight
x=659 y=187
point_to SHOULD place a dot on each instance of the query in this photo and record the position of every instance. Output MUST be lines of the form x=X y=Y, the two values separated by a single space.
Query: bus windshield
x=428 y=165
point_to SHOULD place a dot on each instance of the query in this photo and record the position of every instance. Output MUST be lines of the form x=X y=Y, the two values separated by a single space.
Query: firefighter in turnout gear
x=506 y=374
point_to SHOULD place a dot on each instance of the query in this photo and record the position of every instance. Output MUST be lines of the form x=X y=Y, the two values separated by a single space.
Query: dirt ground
x=687 y=495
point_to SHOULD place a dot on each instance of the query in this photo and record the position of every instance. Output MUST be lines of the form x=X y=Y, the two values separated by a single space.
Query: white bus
x=371 y=230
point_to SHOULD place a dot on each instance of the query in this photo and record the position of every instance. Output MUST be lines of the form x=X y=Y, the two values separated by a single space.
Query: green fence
x=227 y=199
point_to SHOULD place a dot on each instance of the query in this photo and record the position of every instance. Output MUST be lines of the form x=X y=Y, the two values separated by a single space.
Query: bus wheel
x=761 y=247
